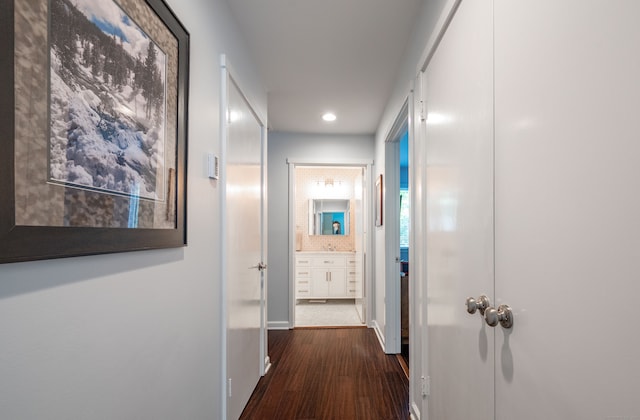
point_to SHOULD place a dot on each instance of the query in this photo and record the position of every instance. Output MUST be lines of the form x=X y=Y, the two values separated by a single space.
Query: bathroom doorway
x=328 y=221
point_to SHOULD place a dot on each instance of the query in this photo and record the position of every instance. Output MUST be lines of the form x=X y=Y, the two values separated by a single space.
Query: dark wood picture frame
x=25 y=242
x=379 y=200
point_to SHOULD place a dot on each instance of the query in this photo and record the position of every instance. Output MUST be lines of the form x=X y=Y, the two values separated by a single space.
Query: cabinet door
x=337 y=282
x=319 y=283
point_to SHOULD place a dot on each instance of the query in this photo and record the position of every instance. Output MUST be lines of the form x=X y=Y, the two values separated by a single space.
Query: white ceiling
x=326 y=55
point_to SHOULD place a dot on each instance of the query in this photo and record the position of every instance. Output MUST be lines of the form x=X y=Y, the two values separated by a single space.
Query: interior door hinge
x=423 y=111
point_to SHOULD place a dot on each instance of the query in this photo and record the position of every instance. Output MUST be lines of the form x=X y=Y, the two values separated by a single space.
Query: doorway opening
x=329 y=220
x=405 y=223
x=397 y=230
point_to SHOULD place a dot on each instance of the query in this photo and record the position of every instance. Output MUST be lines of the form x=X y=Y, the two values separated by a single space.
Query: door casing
x=367 y=246
x=392 y=330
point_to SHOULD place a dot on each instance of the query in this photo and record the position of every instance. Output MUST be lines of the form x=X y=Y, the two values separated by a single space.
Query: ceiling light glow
x=435 y=118
x=329 y=116
x=234 y=116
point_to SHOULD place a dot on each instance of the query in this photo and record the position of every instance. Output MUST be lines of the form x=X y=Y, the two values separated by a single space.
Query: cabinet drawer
x=329 y=261
x=351 y=286
x=303 y=272
x=302 y=292
x=303 y=261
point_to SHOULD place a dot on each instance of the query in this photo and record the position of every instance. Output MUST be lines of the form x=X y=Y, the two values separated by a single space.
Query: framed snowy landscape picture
x=93 y=156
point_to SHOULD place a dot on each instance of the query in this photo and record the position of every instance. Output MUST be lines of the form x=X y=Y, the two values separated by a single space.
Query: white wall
x=134 y=335
x=283 y=146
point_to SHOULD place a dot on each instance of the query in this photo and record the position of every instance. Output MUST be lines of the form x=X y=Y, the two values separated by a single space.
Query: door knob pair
x=503 y=315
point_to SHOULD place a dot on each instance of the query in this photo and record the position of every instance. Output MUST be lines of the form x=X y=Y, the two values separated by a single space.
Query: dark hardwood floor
x=322 y=374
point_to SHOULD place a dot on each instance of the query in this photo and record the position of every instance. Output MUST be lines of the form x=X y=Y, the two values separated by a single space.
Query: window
x=405 y=218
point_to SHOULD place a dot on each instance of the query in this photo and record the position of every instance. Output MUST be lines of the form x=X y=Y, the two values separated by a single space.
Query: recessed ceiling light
x=329 y=116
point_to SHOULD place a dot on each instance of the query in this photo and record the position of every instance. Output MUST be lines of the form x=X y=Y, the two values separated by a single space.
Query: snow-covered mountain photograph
x=107 y=101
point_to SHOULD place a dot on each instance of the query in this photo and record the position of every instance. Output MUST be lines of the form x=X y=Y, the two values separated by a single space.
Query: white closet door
x=459 y=137
x=568 y=208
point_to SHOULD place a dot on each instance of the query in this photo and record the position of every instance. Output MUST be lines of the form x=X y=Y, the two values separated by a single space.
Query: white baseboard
x=267 y=364
x=278 y=325
x=415 y=411
x=379 y=334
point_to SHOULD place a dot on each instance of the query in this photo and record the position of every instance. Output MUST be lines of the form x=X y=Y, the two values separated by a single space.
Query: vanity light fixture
x=329 y=116
x=328 y=182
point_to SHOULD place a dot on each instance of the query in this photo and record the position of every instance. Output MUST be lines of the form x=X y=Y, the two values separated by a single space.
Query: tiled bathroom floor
x=333 y=313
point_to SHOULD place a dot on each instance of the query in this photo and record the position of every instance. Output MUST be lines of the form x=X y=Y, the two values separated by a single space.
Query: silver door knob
x=479 y=304
x=502 y=315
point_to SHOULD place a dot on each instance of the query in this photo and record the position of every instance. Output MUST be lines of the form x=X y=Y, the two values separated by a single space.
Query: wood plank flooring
x=329 y=374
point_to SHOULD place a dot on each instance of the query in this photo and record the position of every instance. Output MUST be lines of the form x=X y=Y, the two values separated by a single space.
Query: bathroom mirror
x=328 y=217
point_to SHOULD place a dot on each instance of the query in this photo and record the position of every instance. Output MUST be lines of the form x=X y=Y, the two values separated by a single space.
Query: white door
x=243 y=249
x=459 y=225
x=568 y=208
x=560 y=190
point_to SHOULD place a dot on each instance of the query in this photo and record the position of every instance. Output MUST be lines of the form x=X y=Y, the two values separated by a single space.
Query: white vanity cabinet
x=324 y=275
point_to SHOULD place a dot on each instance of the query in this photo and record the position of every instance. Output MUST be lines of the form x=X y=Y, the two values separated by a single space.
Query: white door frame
x=418 y=369
x=368 y=228
x=392 y=339
x=227 y=75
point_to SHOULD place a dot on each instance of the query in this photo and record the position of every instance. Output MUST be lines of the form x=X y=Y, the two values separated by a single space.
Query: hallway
x=329 y=374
